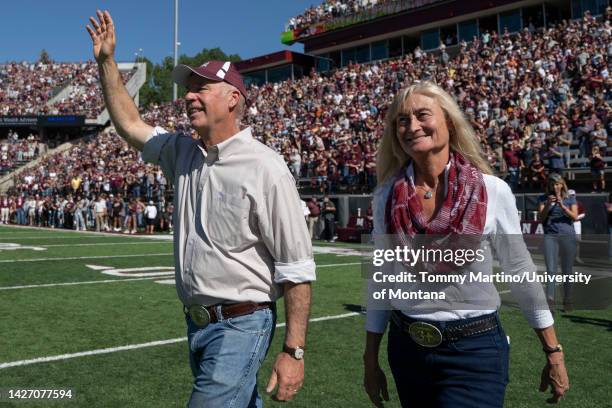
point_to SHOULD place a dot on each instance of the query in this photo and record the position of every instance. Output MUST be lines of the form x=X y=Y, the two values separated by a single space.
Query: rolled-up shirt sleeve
x=161 y=149
x=285 y=233
x=377 y=318
x=514 y=258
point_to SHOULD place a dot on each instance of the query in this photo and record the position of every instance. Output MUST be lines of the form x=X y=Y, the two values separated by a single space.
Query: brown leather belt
x=203 y=315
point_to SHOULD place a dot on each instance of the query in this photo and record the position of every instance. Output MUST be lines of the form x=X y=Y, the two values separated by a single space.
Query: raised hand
x=102 y=36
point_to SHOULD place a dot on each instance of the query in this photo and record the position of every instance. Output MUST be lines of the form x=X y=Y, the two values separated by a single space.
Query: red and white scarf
x=463 y=210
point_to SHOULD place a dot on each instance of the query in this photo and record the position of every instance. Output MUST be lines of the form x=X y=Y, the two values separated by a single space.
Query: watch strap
x=556 y=349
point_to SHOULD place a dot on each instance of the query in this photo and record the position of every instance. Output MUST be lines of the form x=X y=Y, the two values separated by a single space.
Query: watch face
x=299 y=353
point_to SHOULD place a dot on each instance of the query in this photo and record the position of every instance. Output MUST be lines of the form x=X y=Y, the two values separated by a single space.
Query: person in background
x=313 y=217
x=578 y=224
x=329 y=217
x=131 y=226
x=4 y=209
x=537 y=172
x=598 y=170
x=150 y=213
x=100 y=209
x=557 y=212
x=305 y=211
x=79 y=219
x=117 y=207
x=609 y=214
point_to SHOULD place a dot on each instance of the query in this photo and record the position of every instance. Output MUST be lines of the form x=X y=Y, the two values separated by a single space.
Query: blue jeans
x=79 y=221
x=555 y=244
x=21 y=218
x=469 y=372
x=225 y=358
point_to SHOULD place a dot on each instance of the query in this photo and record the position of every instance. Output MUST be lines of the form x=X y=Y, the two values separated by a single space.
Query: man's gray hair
x=240 y=108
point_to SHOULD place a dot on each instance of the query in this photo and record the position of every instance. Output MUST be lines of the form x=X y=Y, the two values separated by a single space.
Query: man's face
x=207 y=103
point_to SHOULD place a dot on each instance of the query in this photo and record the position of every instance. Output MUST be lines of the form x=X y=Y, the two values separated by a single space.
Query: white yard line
x=49 y=285
x=79 y=234
x=43 y=237
x=105 y=244
x=137 y=346
x=72 y=258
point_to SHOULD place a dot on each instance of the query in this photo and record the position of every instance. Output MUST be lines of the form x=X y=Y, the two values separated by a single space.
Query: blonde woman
x=558 y=211
x=434 y=180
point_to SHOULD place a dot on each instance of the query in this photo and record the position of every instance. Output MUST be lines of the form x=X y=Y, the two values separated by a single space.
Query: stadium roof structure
x=272 y=60
x=429 y=15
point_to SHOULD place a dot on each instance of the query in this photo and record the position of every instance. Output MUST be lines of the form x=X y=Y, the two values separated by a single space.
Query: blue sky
x=247 y=28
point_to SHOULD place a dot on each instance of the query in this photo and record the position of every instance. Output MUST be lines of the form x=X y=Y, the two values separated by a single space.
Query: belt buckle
x=425 y=334
x=199 y=315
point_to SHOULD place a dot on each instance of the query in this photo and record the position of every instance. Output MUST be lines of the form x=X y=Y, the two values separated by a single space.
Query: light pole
x=139 y=55
x=176 y=44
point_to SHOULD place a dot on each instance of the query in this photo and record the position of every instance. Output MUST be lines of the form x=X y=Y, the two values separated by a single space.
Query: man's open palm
x=102 y=35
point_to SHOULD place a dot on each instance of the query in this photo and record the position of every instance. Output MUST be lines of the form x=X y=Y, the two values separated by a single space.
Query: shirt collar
x=410 y=174
x=228 y=147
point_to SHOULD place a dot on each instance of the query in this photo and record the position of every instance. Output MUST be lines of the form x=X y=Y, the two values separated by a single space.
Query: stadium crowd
x=103 y=168
x=332 y=10
x=27 y=88
x=539 y=101
x=15 y=151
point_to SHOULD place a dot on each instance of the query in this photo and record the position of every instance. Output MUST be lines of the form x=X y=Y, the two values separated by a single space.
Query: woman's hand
x=554 y=376
x=374 y=381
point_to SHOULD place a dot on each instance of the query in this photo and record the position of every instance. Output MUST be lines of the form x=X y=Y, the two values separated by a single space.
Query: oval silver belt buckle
x=199 y=315
x=425 y=334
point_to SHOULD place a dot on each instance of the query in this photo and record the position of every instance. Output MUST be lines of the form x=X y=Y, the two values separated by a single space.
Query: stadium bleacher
x=29 y=89
x=544 y=92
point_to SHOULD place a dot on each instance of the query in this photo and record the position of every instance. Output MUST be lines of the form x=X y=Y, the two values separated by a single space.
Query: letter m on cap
x=221 y=73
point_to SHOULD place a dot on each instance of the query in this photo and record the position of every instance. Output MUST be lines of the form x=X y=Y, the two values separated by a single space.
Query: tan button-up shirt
x=239 y=230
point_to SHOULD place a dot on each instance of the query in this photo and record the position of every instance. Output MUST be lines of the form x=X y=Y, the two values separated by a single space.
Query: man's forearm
x=297 y=311
x=121 y=107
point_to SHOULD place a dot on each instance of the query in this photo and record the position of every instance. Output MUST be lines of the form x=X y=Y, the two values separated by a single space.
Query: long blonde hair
x=462 y=138
x=550 y=184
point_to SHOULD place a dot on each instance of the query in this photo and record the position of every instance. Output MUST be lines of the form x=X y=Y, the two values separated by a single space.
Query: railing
x=334 y=23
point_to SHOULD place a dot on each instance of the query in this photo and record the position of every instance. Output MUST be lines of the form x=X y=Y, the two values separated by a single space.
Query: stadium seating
x=520 y=93
x=28 y=89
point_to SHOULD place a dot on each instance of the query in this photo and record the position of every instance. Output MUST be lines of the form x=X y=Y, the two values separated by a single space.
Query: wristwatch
x=297 y=353
x=555 y=349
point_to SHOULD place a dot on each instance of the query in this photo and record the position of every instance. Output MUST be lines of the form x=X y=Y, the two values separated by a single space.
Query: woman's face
x=422 y=128
x=557 y=188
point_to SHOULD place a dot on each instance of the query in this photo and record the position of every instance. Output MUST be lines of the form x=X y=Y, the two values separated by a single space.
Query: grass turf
x=49 y=321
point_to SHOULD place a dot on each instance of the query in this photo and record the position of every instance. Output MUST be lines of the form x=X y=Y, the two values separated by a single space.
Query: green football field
x=98 y=314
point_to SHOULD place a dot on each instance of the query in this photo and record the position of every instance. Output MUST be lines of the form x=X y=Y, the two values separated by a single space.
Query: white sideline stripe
x=106 y=243
x=17 y=237
x=81 y=234
x=82 y=257
x=48 y=285
x=136 y=346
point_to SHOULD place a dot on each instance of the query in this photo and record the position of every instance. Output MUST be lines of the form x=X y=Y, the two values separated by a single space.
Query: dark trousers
x=470 y=372
x=330 y=228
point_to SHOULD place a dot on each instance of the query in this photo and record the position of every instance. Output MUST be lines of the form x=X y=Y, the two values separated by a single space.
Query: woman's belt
x=202 y=315
x=432 y=334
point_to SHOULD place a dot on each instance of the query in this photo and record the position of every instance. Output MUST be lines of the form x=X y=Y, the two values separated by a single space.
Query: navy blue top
x=557 y=221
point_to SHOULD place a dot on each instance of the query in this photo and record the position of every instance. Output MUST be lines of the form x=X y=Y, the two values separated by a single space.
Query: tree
x=158 y=86
x=44 y=57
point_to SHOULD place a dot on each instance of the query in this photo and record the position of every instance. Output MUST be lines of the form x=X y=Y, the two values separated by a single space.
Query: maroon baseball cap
x=213 y=70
